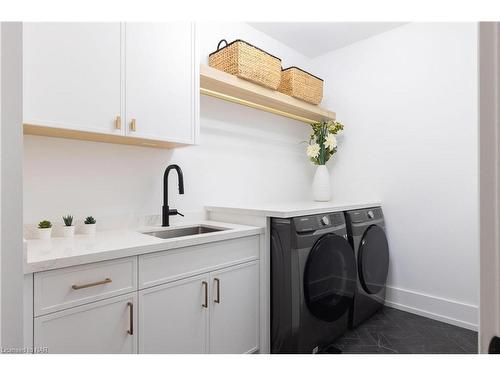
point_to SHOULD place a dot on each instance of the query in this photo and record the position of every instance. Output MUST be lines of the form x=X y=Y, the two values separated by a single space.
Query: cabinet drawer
x=158 y=268
x=67 y=287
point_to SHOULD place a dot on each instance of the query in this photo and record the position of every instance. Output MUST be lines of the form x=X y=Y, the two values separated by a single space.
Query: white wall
x=11 y=259
x=245 y=155
x=408 y=98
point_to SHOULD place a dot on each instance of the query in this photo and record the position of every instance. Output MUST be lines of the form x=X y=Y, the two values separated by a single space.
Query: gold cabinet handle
x=118 y=122
x=133 y=125
x=217 y=290
x=107 y=280
x=205 y=286
x=130 y=330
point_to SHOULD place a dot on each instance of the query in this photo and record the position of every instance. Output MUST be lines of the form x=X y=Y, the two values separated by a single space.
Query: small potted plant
x=90 y=225
x=44 y=229
x=68 y=229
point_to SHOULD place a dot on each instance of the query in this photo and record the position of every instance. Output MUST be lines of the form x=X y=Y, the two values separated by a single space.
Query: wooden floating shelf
x=48 y=131
x=225 y=86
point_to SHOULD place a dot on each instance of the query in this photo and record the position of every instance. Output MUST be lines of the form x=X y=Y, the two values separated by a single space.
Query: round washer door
x=330 y=277
x=373 y=259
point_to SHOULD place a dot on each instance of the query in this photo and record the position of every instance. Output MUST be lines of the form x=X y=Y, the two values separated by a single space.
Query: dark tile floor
x=395 y=331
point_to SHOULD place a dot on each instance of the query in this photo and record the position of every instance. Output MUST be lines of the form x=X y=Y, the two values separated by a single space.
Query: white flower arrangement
x=313 y=150
x=322 y=142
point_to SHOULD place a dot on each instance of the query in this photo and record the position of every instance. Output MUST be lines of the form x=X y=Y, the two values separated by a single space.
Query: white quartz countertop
x=291 y=209
x=59 y=252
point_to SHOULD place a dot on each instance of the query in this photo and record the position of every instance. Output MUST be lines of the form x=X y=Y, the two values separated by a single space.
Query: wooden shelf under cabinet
x=48 y=131
x=225 y=86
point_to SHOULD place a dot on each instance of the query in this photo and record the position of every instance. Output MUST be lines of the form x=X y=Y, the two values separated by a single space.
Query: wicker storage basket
x=248 y=62
x=301 y=85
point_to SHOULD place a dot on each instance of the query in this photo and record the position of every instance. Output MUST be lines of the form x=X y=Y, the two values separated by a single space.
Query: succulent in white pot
x=68 y=229
x=89 y=226
x=44 y=230
x=322 y=146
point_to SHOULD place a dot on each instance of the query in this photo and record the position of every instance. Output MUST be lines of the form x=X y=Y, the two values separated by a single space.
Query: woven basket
x=301 y=85
x=243 y=60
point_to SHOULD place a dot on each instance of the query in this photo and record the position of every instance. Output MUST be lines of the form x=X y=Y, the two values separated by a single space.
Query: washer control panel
x=316 y=222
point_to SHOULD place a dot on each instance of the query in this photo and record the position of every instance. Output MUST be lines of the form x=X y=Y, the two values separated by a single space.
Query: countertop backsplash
x=131 y=221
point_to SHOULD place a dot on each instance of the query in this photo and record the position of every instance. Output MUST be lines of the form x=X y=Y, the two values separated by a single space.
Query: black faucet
x=167 y=212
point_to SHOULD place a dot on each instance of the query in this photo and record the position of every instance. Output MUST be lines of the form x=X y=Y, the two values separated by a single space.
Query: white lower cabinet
x=216 y=312
x=234 y=309
x=173 y=317
x=198 y=299
x=100 y=327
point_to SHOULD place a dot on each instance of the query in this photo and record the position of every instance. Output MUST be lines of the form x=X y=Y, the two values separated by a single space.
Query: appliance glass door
x=373 y=260
x=330 y=277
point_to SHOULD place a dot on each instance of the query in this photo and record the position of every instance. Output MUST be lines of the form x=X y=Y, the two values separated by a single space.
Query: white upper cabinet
x=132 y=83
x=72 y=75
x=161 y=81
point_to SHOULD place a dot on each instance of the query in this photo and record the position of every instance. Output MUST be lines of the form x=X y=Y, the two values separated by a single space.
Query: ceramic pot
x=89 y=228
x=68 y=231
x=321 y=184
x=44 y=233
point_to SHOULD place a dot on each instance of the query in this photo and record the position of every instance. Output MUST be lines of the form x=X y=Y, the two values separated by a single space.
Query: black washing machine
x=313 y=281
x=366 y=232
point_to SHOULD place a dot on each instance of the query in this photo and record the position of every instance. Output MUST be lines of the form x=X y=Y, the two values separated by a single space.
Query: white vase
x=44 y=233
x=321 y=184
x=68 y=231
x=89 y=228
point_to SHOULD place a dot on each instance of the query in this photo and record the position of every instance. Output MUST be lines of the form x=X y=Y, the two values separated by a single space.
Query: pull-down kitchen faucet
x=167 y=212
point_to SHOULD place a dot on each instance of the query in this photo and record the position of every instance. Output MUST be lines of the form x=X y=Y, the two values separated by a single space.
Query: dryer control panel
x=365 y=215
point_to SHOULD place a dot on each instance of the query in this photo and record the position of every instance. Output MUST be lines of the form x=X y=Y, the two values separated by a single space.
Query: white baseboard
x=437 y=308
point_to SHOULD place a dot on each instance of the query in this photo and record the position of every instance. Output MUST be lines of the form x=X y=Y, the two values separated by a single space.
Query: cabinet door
x=101 y=327
x=173 y=317
x=234 y=316
x=161 y=76
x=72 y=75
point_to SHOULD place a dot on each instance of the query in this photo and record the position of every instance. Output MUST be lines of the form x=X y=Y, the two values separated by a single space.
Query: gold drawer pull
x=130 y=331
x=118 y=122
x=132 y=125
x=107 y=280
x=217 y=299
x=205 y=286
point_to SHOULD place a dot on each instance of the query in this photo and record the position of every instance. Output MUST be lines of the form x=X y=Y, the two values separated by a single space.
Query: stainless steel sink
x=185 y=231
